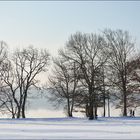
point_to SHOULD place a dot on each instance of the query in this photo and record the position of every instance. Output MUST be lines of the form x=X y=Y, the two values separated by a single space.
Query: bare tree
x=133 y=68
x=3 y=57
x=86 y=50
x=64 y=83
x=120 y=46
x=21 y=72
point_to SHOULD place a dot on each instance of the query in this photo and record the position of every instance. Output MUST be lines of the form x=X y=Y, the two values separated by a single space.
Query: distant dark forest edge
x=90 y=72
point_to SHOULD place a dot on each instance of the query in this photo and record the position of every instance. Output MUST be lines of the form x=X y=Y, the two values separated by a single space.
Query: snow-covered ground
x=70 y=128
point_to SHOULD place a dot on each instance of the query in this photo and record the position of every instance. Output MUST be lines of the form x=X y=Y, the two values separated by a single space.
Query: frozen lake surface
x=70 y=128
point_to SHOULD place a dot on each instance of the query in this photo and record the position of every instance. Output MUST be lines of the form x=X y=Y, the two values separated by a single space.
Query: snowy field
x=74 y=128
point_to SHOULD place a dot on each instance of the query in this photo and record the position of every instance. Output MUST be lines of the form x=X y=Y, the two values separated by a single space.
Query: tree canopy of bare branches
x=20 y=74
x=120 y=46
x=64 y=83
x=87 y=51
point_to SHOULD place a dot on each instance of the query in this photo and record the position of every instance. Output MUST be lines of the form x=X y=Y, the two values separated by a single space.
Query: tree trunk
x=70 y=114
x=104 y=103
x=87 y=110
x=95 y=116
x=95 y=105
x=124 y=98
x=23 y=112
x=125 y=106
x=72 y=105
x=68 y=109
x=104 y=93
x=91 y=116
x=13 y=116
x=23 y=105
x=108 y=106
x=91 y=104
x=19 y=112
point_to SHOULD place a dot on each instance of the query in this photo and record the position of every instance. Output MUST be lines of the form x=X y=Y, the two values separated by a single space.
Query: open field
x=70 y=128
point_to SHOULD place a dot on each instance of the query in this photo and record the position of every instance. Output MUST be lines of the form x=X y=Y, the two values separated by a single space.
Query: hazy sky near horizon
x=48 y=24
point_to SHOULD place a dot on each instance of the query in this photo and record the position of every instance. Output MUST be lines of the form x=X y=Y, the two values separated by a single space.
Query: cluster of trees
x=90 y=71
x=17 y=76
x=95 y=68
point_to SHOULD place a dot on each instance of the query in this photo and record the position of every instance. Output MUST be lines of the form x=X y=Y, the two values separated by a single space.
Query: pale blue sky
x=48 y=24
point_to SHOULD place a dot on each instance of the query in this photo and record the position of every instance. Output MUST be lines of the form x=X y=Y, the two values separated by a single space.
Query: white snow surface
x=70 y=128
